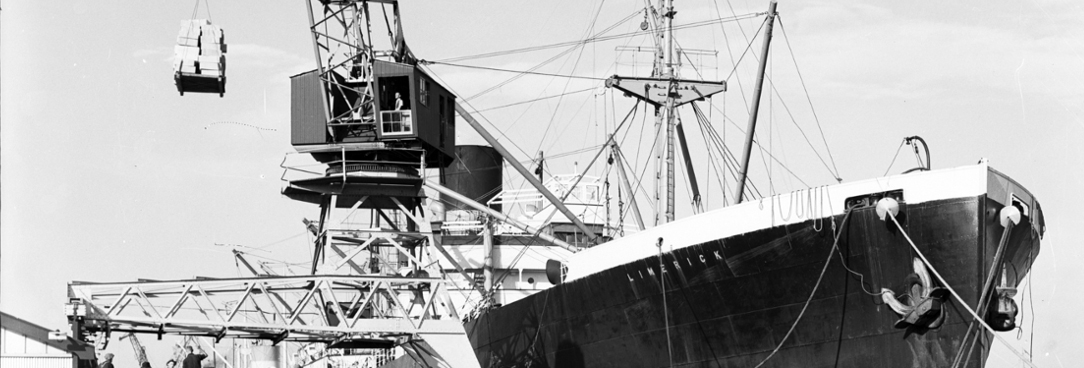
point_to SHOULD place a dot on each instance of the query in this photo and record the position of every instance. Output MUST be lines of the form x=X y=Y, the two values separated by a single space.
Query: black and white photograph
x=541 y=184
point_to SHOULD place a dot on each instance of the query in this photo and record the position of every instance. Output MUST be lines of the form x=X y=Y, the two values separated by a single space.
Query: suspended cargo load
x=199 y=62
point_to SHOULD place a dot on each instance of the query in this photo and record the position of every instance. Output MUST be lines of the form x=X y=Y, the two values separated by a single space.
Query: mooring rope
x=953 y=291
x=831 y=253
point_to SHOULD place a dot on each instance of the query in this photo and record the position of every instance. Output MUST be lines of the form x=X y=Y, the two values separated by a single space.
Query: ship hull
x=730 y=302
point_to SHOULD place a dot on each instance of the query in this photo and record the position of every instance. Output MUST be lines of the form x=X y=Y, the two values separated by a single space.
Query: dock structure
x=374 y=124
x=341 y=311
x=375 y=131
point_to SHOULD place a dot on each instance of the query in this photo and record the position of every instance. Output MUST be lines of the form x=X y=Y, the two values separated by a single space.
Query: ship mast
x=666 y=92
x=668 y=109
x=756 y=103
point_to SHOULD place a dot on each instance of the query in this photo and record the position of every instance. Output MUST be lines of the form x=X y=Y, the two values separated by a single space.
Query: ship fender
x=556 y=271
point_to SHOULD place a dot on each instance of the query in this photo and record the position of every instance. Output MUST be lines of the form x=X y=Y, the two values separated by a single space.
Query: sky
x=108 y=174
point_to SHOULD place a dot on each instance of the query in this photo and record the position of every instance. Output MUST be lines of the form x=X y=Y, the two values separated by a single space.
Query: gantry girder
x=290 y=308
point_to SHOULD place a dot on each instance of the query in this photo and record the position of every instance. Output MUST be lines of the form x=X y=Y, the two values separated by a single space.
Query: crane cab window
x=395 y=115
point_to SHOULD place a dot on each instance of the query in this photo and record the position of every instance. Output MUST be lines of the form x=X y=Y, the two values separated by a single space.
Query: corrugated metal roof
x=381 y=67
x=41 y=334
x=35 y=362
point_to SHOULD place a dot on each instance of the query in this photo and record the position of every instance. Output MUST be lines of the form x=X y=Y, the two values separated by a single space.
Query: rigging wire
x=786 y=39
x=526 y=110
x=529 y=72
x=580 y=176
x=575 y=46
x=714 y=164
x=639 y=181
x=575 y=64
x=730 y=162
x=757 y=142
x=728 y=156
x=600 y=37
x=824 y=269
x=536 y=99
x=303 y=232
x=748 y=48
x=835 y=175
x=898 y=149
x=714 y=141
x=737 y=78
x=476 y=111
x=568 y=124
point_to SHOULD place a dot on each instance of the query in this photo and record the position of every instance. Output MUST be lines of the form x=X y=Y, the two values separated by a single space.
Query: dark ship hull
x=730 y=301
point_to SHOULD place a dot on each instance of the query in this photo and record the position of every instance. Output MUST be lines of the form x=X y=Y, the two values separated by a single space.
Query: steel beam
x=501 y=216
x=172 y=310
x=510 y=159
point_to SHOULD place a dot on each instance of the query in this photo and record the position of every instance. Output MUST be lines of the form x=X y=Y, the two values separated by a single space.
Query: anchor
x=1003 y=317
x=923 y=308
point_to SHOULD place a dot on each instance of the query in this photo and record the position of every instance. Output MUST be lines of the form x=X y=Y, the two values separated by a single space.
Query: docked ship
x=416 y=234
x=801 y=278
x=911 y=270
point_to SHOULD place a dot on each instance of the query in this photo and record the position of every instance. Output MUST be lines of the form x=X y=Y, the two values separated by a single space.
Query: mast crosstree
x=666 y=91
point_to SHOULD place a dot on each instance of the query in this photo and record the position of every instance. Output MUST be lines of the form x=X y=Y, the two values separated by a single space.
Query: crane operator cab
x=396 y=109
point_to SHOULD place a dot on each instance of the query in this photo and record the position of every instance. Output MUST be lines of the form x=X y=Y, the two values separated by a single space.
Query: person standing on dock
x=107 y=361
x=193 y=359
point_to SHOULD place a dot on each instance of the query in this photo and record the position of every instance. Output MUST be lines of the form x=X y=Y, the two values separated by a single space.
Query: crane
x=139 y=350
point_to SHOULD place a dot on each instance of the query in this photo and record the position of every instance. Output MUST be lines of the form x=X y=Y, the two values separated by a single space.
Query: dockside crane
x=378 y=123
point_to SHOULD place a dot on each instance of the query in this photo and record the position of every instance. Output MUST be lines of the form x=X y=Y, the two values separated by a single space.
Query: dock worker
x=193 y=359
x=107 y=361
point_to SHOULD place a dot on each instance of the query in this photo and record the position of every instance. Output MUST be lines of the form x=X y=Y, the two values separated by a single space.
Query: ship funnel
x=477 y=173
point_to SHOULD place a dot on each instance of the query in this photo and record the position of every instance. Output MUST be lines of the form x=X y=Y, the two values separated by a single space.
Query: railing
x=396 y=122
x=318 y=169
x=462 y=227
x=579 y=197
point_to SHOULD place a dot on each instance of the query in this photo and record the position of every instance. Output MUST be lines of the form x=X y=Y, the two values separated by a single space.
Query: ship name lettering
x=677 y=265
x=717 y=256
x=651 y=271
x=702 y=260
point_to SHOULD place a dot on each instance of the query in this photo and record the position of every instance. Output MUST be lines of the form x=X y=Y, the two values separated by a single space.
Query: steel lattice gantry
x=330 y=309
